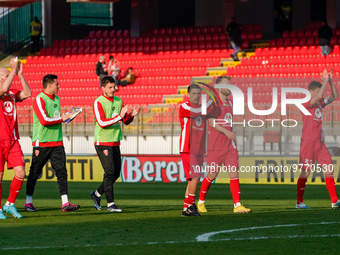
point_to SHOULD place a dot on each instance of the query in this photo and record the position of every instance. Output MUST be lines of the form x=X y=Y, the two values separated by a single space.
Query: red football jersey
x=218 y=141
x=8 y=115
x=312 y=124
x=193 y=126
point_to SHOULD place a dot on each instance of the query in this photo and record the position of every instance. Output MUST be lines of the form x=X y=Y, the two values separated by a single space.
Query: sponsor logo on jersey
x=56 y=114
x=8 y=106
x=229 y=118
x=318 y=113
x=198 y=121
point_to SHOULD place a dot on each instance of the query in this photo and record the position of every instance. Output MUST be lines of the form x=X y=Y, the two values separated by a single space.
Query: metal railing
x=269 y=138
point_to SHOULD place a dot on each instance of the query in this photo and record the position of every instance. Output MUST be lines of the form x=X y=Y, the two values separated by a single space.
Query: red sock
x=186 y=202
x=205 y=188
x=330 y=184
x=189 y=200
x=15 y=188
x=235 y=190
x=301 y=185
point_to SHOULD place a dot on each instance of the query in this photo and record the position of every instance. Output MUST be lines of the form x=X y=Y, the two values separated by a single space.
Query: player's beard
x=225 y=92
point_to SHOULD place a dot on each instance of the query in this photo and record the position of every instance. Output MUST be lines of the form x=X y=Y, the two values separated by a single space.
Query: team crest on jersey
x=56 y=114
x=198 y=121
x=113 y=108
x=318 y=113
x=36 y=153
x=8 y=106
x=106 y=152
x=228 y=118
x=55 y=106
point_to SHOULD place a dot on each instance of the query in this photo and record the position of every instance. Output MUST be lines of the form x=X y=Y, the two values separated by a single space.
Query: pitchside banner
x=156 y=168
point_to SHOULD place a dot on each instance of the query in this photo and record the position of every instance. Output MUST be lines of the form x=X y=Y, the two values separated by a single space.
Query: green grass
x=151 y=213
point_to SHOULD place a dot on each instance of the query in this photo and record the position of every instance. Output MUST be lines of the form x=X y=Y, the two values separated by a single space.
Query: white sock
x=9 y=203
x=237 y=204
x=201 y=202
x=97 y=193
x=64 y=199
x=109 y=204
x=29 y=199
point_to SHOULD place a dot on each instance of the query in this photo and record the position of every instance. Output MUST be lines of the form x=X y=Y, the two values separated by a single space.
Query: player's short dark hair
x=111 y=57
x=314 y=85
x=193 y=86
x=130 y=68
x=49 y=79
x=106 y=80
x=219 y=78
x=233 y=18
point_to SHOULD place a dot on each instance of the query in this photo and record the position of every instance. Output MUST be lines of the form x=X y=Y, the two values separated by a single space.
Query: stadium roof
x=20 y=3
x=15 y=3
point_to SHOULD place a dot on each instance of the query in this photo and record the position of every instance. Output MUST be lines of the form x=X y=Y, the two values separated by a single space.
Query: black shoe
x=96 y=200
x=191 y=211
x=232 y=56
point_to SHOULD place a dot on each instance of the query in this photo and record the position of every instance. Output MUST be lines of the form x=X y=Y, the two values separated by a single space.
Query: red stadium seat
x=99 y=34
x=292 y=34
x=285 y=34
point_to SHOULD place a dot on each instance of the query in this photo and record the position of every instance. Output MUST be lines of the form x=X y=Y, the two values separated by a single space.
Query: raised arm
x=335 y=93
x=4 y=87
x=26 y=92
x=322 y=90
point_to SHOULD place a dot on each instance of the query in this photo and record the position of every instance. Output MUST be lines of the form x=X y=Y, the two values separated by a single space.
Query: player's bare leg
x=15 y=188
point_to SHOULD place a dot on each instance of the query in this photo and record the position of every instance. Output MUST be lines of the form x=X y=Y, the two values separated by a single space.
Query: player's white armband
x=326 y=101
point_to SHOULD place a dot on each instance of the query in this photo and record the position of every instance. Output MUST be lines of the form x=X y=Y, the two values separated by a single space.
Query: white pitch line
x=206 y=237
x=198 y=239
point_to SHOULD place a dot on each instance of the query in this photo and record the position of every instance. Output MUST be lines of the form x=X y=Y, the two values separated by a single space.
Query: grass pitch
x=151 y=223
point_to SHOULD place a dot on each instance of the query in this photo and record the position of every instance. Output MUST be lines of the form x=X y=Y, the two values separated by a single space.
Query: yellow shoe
x=241 y=209
x=201 y=207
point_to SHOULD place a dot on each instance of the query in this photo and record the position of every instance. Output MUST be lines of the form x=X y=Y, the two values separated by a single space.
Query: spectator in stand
x=113 y=67
x=129 y=78
x=35 y=31
x=325 y=34
x=234 y=31
x=101 y=69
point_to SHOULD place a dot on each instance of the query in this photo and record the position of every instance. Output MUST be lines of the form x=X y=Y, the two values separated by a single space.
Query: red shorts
x=311 y=151
x=192 y=165
x=228 y=157
x=11 y=152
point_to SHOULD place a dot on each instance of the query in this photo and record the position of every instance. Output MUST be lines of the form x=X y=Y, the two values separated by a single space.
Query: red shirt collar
x=108 y=98
x=50 y=96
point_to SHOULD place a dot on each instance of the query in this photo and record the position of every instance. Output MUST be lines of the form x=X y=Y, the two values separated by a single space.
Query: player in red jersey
x=312 y=146
x=192 y=143
x=222 y=150
x=9 y=135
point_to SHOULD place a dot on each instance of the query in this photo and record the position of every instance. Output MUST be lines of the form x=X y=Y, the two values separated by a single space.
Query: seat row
x=160 y=55
x=296 y=50
x=142 y=40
